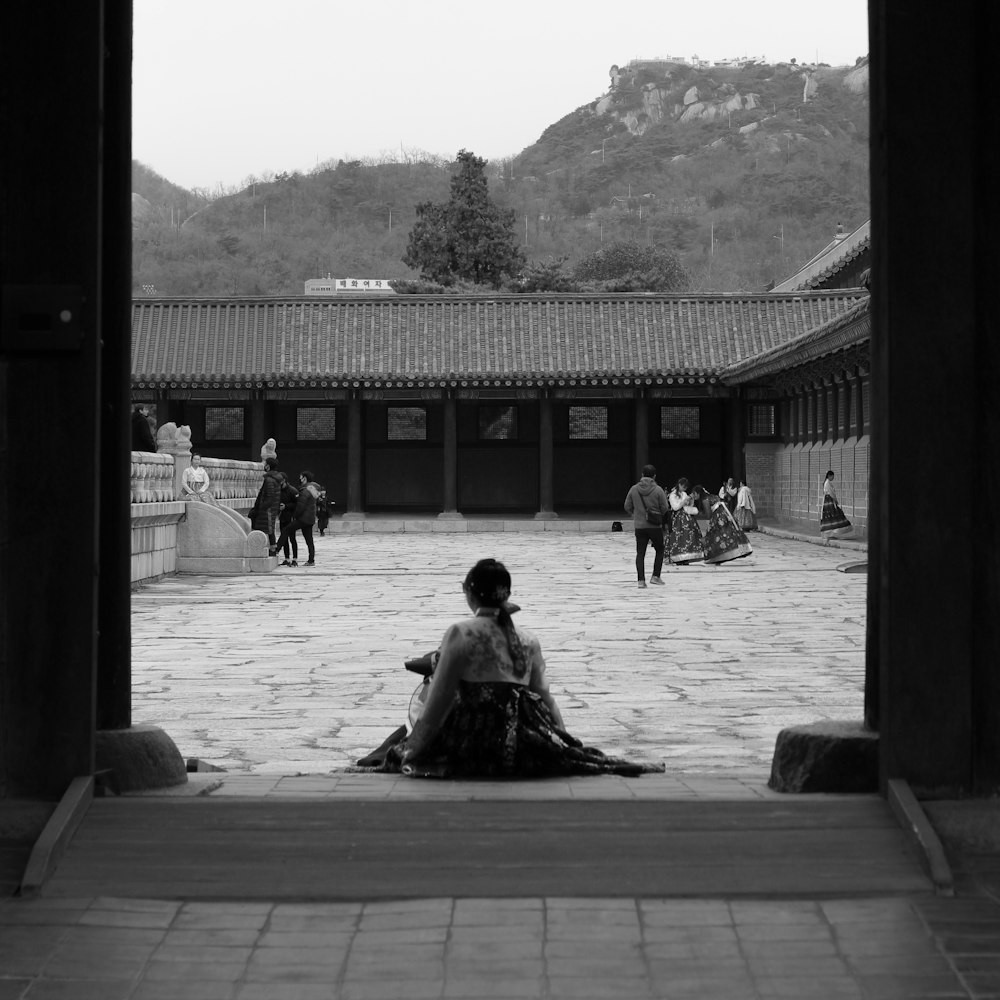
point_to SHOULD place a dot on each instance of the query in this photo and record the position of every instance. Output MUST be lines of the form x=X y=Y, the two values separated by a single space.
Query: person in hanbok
x=746 y=511
x=833 y=521
x=195 y=482
x=488 y=711
x=724 y=540
x=728 y=494
x=685 y=535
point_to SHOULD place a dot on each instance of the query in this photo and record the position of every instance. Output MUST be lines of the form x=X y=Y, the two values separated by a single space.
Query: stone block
x=139 y=757
x=599 y=527
x=213 y=565
x=829 y=756
x=452 y=527
x=256 y=544
x=209 y=531
x=485 y=526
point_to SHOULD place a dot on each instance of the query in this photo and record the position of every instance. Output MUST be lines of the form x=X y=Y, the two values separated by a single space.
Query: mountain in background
x=745 y=170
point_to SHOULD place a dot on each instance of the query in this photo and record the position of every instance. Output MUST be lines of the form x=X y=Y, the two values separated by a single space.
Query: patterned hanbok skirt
x=685 y=539
x=833 y=522
x=724 y=539
x=745 y=519
x=496 y=729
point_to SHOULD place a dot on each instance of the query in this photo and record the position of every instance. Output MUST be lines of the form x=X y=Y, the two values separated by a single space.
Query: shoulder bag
x=653 y=516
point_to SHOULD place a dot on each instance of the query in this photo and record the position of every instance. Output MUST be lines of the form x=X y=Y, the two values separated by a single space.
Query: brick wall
x=787 y=480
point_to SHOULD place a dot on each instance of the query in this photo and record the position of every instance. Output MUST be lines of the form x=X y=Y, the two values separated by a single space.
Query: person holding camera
x=646 y=504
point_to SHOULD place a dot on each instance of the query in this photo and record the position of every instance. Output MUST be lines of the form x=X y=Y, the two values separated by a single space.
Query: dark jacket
x=305 y=506
x=289 y=500
x=265 y=511
x=142 y=434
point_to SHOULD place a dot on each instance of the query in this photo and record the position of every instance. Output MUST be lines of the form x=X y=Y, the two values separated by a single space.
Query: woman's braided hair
x=489 y=582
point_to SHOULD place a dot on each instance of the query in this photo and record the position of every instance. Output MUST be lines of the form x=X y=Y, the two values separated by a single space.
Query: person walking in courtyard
x=746 y=511
x=264 y=516
x=646 y=504
x=728 y=494
x=685 y=535
x=488 y=711
x=833 y=521
x=304 y=517
x=723 y=540
x=322 y=511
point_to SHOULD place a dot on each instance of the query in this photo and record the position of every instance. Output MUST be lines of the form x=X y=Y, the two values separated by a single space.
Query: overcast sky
x=223 y=89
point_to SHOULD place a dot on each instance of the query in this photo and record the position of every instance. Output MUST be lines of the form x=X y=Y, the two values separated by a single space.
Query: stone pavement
x=284 y=680
x=301 y=671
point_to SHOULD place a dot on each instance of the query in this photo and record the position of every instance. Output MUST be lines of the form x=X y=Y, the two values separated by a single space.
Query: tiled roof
x=831 y=259
x=436 y=338
x=853 y=327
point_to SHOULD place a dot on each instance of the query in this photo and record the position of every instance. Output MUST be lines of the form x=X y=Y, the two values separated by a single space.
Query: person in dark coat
x=305 y=516
x=142 y=433
x=264 y=515
x=289 y=498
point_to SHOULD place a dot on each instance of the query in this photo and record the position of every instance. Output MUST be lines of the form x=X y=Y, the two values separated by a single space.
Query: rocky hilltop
x=744 y=170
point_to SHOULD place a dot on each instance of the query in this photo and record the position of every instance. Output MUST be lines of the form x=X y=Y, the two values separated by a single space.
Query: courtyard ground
x=301 y=671
x=289 y=877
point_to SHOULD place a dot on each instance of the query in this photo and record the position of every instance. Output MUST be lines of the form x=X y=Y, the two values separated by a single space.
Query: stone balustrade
x=156 y=510
x=230 y=479
x=152 y=478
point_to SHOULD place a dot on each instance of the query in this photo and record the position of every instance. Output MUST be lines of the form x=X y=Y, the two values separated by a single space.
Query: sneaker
x=657 y=580
x=286 y=562
x=311 y=563
x=294 y=562
x=642 y=584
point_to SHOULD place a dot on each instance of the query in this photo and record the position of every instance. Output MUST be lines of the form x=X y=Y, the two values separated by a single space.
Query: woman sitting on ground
x=488 y=710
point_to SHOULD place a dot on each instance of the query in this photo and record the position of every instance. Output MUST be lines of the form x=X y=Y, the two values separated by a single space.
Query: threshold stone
x=828 y=756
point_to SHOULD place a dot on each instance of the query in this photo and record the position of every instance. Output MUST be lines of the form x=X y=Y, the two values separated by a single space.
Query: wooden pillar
x=65 y=342
x=355 y=457
x=736 y=414
x=641 y=405
x=546 y=472
x=258 y=424
x=114 y=619
x=450 y=457
x=935 y=578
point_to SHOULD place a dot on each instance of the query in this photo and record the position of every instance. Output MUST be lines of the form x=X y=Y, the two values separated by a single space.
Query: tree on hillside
x=468 y=237
x=629 y=267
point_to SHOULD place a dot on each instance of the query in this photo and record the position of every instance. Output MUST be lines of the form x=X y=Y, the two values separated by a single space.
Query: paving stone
x=703 y=684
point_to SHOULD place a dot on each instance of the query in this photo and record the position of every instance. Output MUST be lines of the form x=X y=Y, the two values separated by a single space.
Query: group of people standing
x=669 y=522
x=290 y=509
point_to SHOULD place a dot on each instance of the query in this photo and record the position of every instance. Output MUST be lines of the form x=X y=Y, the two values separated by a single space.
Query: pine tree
x=467 y=238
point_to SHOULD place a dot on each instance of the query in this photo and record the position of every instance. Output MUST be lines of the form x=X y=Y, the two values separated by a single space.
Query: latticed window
x=406 y=423
x=224 y=423
x=315 y=423
x=588 y=423
x=497 y=423
x=866 y=413
x=842 y=429
x=680 y=423
x=761 y=420
x=811 y=415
